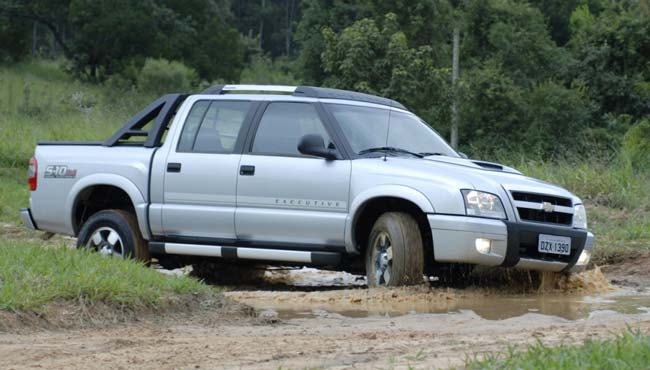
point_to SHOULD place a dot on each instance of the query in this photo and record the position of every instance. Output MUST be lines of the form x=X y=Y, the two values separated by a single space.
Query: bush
x=161 y=76
x=263 y=70
x=636 y=145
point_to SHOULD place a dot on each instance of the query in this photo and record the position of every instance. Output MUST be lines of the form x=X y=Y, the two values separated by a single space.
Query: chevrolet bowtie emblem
x=548 y=207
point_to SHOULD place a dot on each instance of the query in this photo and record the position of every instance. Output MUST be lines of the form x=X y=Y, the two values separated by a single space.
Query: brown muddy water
x=310 y=293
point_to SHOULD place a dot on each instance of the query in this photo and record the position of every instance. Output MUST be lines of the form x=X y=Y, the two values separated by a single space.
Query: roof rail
x=327 y=93
x=222 y=89
x=307 y=91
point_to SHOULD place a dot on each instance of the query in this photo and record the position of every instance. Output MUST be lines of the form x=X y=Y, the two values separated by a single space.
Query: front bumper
x=512 y=244
x=28 y=220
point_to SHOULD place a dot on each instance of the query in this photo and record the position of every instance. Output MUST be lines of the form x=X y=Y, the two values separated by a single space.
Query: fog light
x=585 y=256
x=483 y=245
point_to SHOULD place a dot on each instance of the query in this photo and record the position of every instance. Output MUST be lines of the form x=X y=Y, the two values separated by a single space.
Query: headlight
x=579 y=217
x=481 y=204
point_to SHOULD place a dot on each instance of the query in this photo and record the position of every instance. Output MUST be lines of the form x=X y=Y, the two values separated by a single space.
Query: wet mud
x=292 y=294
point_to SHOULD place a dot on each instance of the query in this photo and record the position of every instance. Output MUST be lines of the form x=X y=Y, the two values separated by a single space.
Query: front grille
x=541 y=198
x=530 y=208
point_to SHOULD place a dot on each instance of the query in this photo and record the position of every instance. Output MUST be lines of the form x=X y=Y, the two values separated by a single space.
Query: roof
x=306 y=91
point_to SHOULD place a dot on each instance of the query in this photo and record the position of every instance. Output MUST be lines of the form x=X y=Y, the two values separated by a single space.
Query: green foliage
x=611 y=58
x=105 y=30
x=13 y=40
x=547 y=119
x=335 y=15
x=264 y=70
x=377 y=59
x=160 y=76
x=512 y=35
x=33 y=276
x=630 y=350
x=104 y=38
x=636 y=145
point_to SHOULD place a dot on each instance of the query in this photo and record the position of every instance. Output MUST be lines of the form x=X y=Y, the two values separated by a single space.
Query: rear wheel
x=114 y=233
x=394 y=254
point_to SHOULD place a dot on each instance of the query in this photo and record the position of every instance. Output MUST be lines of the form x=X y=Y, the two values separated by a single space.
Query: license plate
x=554 y=244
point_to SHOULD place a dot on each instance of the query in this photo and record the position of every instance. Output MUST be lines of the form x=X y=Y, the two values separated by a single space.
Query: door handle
x=173 y=167
x=247 y=170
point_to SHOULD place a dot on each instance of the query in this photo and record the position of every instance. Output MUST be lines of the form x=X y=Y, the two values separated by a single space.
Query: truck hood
x=479 y=173
x=473 y=163
x=466 y=174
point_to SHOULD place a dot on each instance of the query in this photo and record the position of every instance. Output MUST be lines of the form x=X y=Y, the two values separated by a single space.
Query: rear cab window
x=213 y=126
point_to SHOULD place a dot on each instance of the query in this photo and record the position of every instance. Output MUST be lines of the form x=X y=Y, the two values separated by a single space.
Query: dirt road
x=343 y=328
x=328 y=341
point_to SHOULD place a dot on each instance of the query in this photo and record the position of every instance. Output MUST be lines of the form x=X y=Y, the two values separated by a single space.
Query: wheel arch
x=382 y=199
x=122 y=187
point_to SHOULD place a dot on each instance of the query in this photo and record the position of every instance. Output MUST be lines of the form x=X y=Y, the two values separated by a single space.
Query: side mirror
x=463 y=155
x=313 y=144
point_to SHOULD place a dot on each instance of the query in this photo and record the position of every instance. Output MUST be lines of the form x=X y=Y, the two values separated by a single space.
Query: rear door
x=199 y=195
x=284 y=197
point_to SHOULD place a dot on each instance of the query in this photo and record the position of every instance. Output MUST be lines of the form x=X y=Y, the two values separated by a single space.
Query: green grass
x=40 y=102
x=31 y=276
x=630 y=350
x=14 y=193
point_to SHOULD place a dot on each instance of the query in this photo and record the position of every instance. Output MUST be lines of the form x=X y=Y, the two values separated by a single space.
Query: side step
x=260 y=254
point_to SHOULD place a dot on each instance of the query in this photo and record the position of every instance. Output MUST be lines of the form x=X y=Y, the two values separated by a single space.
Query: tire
x=394 y=254
x=114 y=233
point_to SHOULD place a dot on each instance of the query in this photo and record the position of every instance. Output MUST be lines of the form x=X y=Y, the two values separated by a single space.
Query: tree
x=378 y=59
x=316 y=15
x=611 y=51
x=51 y=14
x=14 y=39
x=108 y=35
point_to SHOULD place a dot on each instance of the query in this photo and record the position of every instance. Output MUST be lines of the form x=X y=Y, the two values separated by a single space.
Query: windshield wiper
x=426 y=154
x=389 y=149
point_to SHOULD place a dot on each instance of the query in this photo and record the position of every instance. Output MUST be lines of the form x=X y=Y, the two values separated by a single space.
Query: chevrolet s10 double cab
x=299 y=176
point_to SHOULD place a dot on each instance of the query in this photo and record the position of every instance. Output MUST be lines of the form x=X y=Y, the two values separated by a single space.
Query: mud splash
x=587 y=282
x=571 y=297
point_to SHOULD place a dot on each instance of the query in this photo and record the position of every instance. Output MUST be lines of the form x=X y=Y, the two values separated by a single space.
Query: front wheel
x=394 y=254
x=114 y=233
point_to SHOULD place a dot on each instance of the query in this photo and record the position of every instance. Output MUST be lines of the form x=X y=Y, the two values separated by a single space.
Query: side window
x=283 y=125
x=213 y=127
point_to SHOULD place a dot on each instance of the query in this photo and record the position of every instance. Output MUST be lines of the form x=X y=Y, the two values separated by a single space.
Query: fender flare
x=121 y=182
x=394 y=191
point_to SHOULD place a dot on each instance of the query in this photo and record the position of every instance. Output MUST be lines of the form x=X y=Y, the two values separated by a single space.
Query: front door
x=284 y=197
x=201 y=172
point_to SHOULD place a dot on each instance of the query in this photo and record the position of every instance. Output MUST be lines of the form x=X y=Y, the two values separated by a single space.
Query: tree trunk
x=34 y=39
x=290 y=7
x=455 y=114
x=261 y=34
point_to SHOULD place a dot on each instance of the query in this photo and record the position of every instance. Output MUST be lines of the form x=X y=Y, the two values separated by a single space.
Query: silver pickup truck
x=300 y=176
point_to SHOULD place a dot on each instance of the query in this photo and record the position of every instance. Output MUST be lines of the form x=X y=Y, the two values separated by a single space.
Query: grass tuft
x=32 y=276
x=630 y=350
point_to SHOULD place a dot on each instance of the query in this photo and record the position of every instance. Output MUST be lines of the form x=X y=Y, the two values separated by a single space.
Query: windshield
x=368 y=128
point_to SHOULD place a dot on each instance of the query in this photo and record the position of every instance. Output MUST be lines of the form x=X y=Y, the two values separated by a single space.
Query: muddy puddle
x=309 y=293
